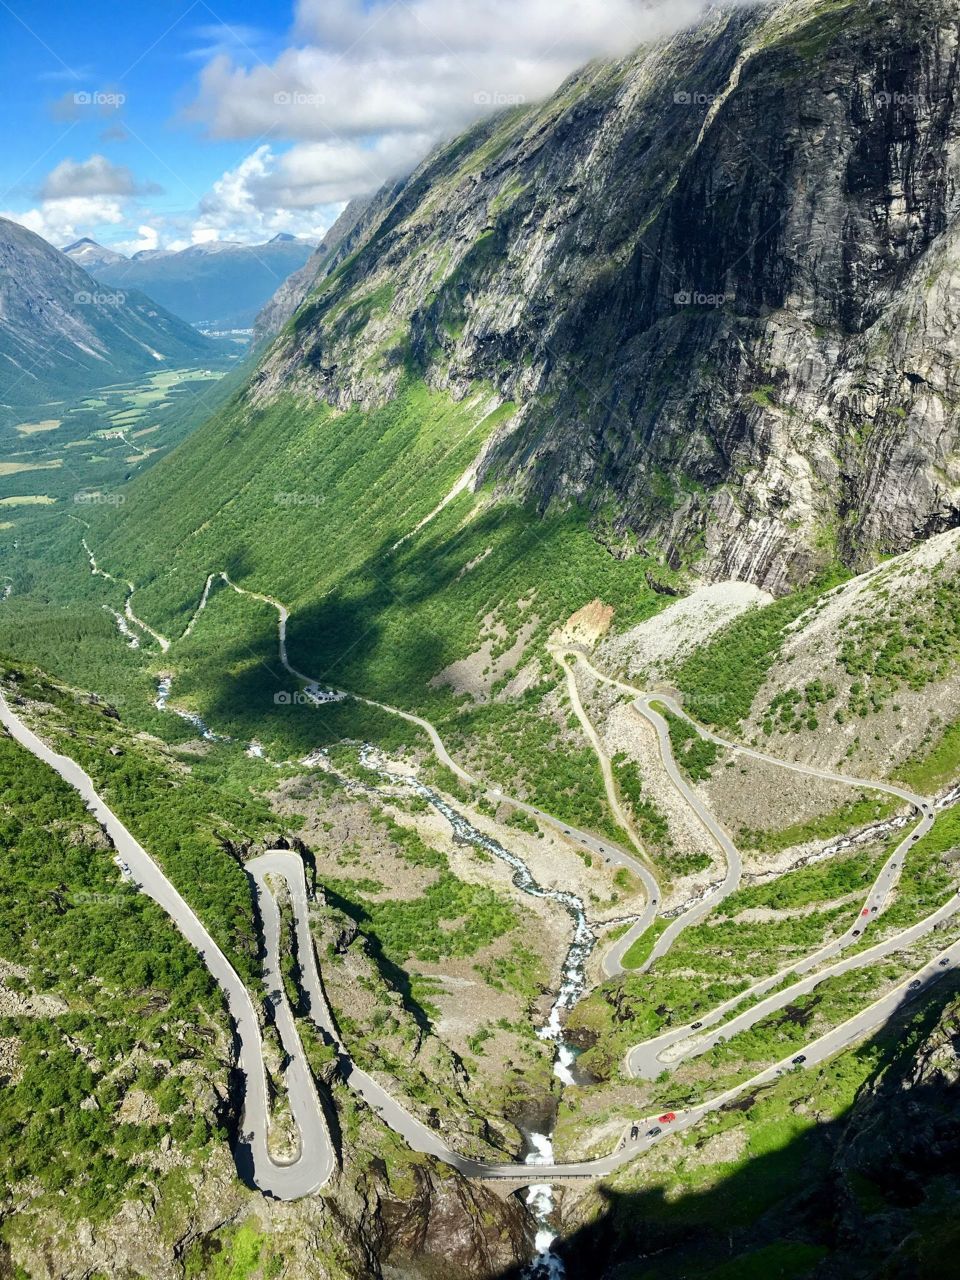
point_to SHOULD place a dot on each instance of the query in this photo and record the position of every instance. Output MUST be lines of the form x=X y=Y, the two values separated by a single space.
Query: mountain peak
x=88 y=253
x=65 y=332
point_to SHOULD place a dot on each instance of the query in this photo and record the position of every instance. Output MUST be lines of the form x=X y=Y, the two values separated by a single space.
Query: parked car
x=655 y=1132
x=668 y=1118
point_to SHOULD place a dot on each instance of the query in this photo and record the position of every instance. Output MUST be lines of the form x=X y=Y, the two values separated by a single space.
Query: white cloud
x=147 y=238
x=83 y=198
x=298 y=193
x=361 y=93
x=530 y=29
x=426 y=67
x=94 y=177
x=367 y=89
x=62 y=221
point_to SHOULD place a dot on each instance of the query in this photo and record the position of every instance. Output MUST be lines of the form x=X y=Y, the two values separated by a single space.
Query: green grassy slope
x=115 y=992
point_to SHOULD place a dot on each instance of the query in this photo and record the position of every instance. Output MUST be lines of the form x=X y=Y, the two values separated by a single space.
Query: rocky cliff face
x=719 y=279
x=441 y=1228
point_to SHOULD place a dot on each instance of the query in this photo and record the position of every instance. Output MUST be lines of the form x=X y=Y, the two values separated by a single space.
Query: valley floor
x=631 y=974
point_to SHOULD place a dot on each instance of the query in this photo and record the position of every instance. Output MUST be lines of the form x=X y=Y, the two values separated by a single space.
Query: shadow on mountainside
x=873 y=1194
x=405 y=611
x=383 y=633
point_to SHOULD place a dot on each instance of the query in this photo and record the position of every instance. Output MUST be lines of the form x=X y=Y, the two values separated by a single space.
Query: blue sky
x=151 y=54
x=168 y=122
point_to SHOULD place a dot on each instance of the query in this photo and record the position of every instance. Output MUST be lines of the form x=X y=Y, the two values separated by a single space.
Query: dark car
x=916 y=984
x=635 y=1132
x=800 y=1059
x=857 y=932
x=655 y=1132
x=697 y=1026
x=944 y=962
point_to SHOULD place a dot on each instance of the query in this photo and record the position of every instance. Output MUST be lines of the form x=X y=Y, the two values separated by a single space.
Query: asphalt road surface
x=316 y=1162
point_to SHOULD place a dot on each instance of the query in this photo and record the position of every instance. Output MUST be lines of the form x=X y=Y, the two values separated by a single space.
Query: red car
x=865 y=911
x=668 y=1118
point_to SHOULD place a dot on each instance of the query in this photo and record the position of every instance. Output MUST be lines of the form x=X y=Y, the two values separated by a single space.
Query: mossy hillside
x=868 y=808
x=768 y=1186
x=75 y=639
x=696 y=755
x=229 y=671
x=930 y=875
x=292 y=496
x=721 y=679
x=911 y=641
x=786 y=1031
x=234 y=1253
x=451 y=918
x=708 y=963
x=516 y=745
x=308 y=508
x=936 y=764
x=395 y=616
x=179 y=807
x=851 y=872
x=130 y=1007
x=902 y=639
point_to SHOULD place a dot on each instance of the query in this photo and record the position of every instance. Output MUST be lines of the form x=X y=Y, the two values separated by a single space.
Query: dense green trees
x=108 y=982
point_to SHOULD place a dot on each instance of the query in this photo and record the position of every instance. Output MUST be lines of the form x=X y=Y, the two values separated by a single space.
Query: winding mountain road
x=316 y=1161
x=649 y=1059
x=613 y=854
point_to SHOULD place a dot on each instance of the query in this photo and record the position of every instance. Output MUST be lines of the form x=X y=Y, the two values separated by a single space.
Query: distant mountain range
x=292 y=293
x=63 y=333
x=221 y=285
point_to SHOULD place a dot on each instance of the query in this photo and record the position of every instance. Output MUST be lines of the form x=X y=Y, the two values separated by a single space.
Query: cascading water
x=539 y=1200
x=546 y=1265
x=191 y=717
x=122 y=626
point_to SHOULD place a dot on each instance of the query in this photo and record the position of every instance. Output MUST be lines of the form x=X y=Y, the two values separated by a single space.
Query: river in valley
x=546 y=1265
